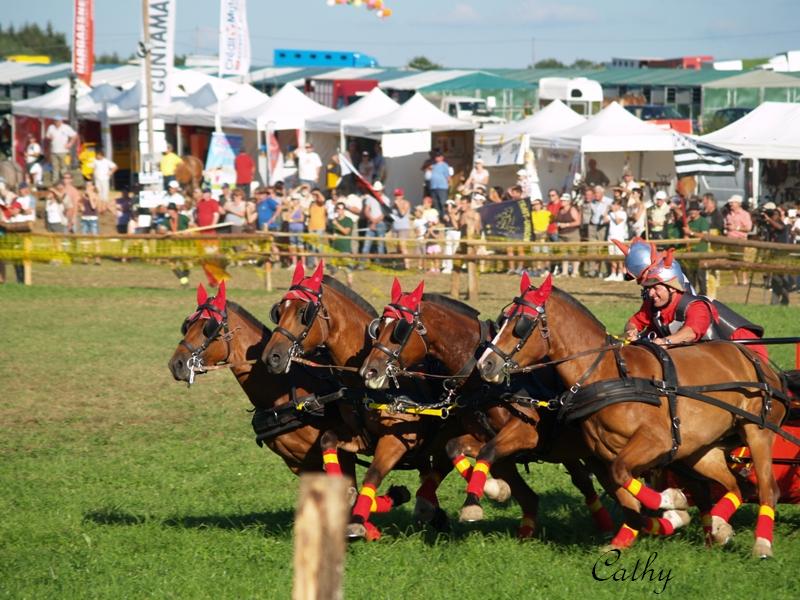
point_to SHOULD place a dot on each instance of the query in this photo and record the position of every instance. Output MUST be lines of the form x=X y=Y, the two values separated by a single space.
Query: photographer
x=772 y=228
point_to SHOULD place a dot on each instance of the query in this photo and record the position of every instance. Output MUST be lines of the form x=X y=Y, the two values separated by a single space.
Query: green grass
x=116 y=481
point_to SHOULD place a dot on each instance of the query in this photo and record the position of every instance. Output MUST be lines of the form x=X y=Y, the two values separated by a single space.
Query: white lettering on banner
x=83 y=40
x=161 y=42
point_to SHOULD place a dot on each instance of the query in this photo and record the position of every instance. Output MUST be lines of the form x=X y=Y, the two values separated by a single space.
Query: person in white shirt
x=104 y=169
x=62 y=138
x=33 y=161
x=308 y=166
x=27 y=202
x=617 y=230
x=175 y=197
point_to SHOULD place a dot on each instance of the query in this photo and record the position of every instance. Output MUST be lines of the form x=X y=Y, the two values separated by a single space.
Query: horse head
x=515 y=342
x=299 y=326
x=203 y=333
x=393 y=344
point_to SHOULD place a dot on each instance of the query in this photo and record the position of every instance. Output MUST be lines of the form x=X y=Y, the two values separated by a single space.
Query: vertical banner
x=160 y=41
x=234 y=38
x=220 y=161
x=83 y=40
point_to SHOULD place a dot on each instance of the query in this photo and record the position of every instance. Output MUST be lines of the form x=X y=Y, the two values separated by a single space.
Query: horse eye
x=210 y=328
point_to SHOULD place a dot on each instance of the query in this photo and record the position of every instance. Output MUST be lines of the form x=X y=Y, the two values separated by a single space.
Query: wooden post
x=319 y=537
x=472 y=276
x=27 y=264
x=268 y=274
x=797 y=356
x=455 y=283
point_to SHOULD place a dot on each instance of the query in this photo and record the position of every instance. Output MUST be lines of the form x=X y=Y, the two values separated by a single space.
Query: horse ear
x=669 y=257
x=397 y=291
x=299 y=273
x=541 y=295
x=624 y=248
x=202 y=294
x=318 y=273
x=524 y=283
x=417 y=293
x=219 y=299
x=653 y=252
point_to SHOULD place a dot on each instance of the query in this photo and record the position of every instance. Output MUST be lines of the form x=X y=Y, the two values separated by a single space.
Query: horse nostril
x=372 y=374
x=179 y=364
x=488 y=366
x=275 y=360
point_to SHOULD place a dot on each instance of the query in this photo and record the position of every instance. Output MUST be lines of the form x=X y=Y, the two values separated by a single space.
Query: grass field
x=116 y=481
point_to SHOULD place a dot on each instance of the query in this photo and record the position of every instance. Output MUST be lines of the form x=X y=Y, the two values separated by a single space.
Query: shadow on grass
x=277 y=523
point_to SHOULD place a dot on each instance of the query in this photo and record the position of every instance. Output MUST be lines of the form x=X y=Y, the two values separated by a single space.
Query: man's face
x=599 y=191
x=590 y=195
x=553 y=196
x=694 y=215
x=659 y=294
x=67 y=179
x=427 y=201
x=206 y=195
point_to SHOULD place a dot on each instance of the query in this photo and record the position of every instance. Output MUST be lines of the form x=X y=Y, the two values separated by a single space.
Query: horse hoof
x=721 y=531
x=470 y=514
x=678 y=518
x=674 y=499
x=352 y=496
x=497 y=490
x=762 y=548
x=526 y=532
x=356 y=531
x=399 y=495
x=424 y=510
x=440 y=522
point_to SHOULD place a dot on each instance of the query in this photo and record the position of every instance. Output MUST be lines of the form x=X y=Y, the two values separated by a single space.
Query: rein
x=195 y=361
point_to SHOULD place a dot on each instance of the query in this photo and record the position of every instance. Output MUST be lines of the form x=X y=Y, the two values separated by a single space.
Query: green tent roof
x=477 y=81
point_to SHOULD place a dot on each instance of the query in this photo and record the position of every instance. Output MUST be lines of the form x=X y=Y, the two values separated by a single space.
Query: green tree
x=423 y=64
x=30 y=39
x=584 y=63
x=549 y=63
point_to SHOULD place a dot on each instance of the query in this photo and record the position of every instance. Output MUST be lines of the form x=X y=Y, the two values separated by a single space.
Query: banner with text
x=160 y=41
x=510 y=220
x=234 y=38
x=83 y=40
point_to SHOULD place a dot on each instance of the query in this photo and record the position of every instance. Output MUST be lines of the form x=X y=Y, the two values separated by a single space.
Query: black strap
x=670 y=390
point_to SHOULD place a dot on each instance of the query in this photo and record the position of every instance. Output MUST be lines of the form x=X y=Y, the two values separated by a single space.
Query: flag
x=234 y=38
x=160 y=41
x=215 y=271
x=693 y=157
x=83 y=40
x=510 y=219
x=348 y=168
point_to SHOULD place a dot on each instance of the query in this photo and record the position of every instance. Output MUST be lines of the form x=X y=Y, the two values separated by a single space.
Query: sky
x=459 y=33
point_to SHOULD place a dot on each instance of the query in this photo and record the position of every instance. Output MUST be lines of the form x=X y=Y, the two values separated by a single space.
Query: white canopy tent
x=770 y=132
x=50 y=105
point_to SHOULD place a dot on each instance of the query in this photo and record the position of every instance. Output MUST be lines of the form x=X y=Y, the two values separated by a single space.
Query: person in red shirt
x=207 y=211
x=245 y=170
x=673 y=315
x=553 y=205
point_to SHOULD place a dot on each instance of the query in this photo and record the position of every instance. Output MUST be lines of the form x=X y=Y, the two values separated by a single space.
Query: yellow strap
x=595 y=506
x=370 y=493
x=734 y=499
x=635 y=532
x=433 y=412
x=328 y=458
x=766 y=511
x=634 y=487
x=462 y=465
x=481 y=467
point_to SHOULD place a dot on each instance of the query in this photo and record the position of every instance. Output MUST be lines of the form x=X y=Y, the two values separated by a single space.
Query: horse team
x=427 y=385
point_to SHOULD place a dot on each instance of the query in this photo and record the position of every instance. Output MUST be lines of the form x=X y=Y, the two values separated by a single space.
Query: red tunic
x=698 y=316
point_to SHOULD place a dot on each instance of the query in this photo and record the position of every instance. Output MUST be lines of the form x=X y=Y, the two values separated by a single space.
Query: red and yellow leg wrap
x=526 y=526
x=383 y=504
x=600 y=515
x=427 y=491
x=625 y=537
x=478 y=478
x=463 y=467
x=727 y=505
x=330 y=462
x=656 y=526
x=365 y=502
x=646 y=495
x=765 y=522
x=373 y=533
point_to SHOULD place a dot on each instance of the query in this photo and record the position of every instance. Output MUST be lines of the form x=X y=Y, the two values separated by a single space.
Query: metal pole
x=73 y=118
x=148 y=83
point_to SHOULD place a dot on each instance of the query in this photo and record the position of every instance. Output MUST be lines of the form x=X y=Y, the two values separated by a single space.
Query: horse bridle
x=523 y=329
x=195 y=361
x=395 y=364
x=310 y=313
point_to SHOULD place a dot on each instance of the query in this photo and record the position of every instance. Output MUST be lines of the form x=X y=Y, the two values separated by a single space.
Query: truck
x=474 y=110
x=293 y=57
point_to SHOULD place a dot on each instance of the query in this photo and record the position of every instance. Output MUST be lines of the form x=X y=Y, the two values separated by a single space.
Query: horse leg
x=579 y=473
x=468 y=445
x=516 y=435
x=524 y=495
x=388 y=451
x=426 y=508
x=760 y=442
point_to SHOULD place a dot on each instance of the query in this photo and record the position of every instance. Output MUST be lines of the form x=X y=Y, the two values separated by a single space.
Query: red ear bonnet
x=219 y=299
x=299 y=273
x=541 y=295
x=408 y=301
x=624 y=248
x=397 y=291
x=202 y=294
x=524 y=283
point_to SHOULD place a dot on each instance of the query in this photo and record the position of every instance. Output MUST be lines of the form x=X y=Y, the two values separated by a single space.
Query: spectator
x=716 y=222
x=627 y=183
x=174 y=194
x=452 y=234
x=378 y=165
x=267 y=210
x=341 y=227
x=738 y=225
x=433 y=244
x=333 y=173
x=657 y=216
x=401 y=225
x=441 y=172
x=637 y=214
x=33 y=162
x=169 y=162
x=429 y=212
x=89 y=208
x=479 y=176
x=317 y=222
x=207 y=211
x=103 y=170
x=541 y=219
x=123 y=208
x=495 y=194
x=161 y=222
x=525 y=184
x=595 y=176
x=225 y=195
x=176 y=220
x=365 y=166
x=375 y=223
x=696 y=226
x=617 y=230
x=296 y=219
x=55 y=213
x=245 y=170
x=235 y=212
x=513 y=193
x=569 y=224
x=62 y=139
x=553 y=206
x=27 y=204
x=309 y=165
x=289 y=172
x=598 y=223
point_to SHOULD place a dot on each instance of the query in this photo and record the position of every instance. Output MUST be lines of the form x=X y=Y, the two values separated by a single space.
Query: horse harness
x=211 y=330
x=309 y=315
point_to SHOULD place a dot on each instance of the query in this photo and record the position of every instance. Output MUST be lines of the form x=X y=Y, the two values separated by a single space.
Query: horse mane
x=350 y=295
x=577 y=304
x=248 y=316
x=452 y=304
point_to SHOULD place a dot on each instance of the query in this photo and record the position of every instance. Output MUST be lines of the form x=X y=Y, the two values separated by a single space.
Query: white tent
x=771 y=131
x=417 y=114
x=49 y=105
x=289 y=108
x=373 y=105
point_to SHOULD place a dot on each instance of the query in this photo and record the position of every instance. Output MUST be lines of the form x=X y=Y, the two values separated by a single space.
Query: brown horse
x=189 y=172
x=451 y=333
x=220 y=331
x=635 y=415
x=319 y=311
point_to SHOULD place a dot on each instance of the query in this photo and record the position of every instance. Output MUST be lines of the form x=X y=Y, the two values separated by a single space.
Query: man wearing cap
x=696 y=226
x=479 y=176
x=401 y=223
x=207 y=211
x=169 y=163
x=657 y=216
x=376 y=226
x=174 y=194
x=309 y=165
x=62 y=138
x=103 y=170
x=441 y=173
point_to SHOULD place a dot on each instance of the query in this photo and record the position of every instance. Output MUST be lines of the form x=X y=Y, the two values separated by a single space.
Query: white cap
x=735 y=198
x=769 y=206
x=377 y=186
x=661 y=195
x=174 y=184
x=521 y=172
